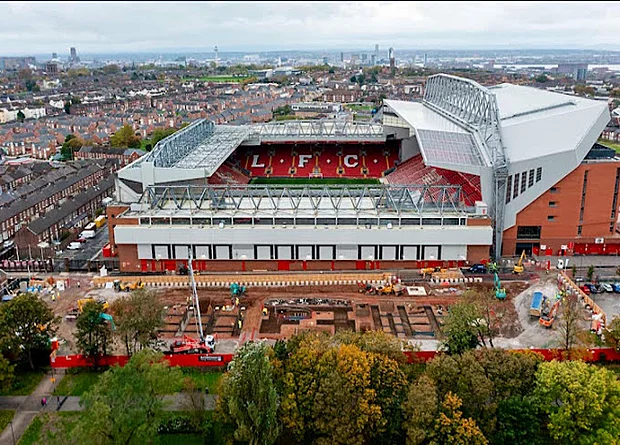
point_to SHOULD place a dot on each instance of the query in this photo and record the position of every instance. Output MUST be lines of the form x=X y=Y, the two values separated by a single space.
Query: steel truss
x=473 y=107
x=317 y=130
x=379 y=200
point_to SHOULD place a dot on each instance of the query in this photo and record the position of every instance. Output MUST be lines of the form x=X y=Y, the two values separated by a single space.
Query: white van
x=87 y=234
x=74 y=245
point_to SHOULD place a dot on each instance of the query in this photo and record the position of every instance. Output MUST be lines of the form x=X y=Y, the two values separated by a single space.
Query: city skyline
x=107 y=27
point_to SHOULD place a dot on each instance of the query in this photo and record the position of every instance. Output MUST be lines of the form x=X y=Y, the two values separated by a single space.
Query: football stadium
x=468 y=173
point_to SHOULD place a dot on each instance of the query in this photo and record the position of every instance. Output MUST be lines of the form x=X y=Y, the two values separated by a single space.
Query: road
x=89 y=251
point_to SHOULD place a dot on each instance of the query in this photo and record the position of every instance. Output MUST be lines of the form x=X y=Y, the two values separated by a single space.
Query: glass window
x=450 y=221
x=530 y=180
x=347 y=221
x=410 y=221
x=242 y=221
x=523 y=181
x=538 y=174
x=431 y=221
x=515 y=188
x=263 y=221
x=304 y=221
x=180 y=221
x=145 y=221
x=326 y=221
x=509 y=189
x=160 y=221
x=201 y=221
x=287 y=221
x=528 y=232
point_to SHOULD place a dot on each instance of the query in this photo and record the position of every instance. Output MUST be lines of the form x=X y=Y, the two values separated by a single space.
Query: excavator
x=500 y=292
x=83 y=301
x=128 y=287
x=547 y=315
x=237 y=290
x=386 y=289
x=429 y=270
x=518 y=268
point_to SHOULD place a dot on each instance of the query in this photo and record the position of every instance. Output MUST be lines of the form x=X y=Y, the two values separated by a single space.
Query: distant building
x=341 y=56
x=578 y=71
x=54 y=55
x=51 y=68
x=74 y=57
x=16 y=63
x=313 y=109
x=392 y=58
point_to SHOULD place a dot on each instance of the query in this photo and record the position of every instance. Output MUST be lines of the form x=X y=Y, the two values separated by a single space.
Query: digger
x=387 y=289
x=83 y=301
x=128 y=287
x=430 y=270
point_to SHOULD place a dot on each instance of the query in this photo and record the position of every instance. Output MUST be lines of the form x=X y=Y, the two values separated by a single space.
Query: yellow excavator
x=128 y=287
x=83 y=301
x=518 y=268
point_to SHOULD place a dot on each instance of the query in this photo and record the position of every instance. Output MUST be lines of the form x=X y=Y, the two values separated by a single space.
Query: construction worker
x=239 y=323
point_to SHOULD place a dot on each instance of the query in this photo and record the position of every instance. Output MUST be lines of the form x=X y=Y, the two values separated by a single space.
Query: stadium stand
x=227 y=174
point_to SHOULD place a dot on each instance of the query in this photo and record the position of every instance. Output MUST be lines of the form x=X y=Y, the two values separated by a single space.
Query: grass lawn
x=45 y=425
x=203 y=379
x=314 y=181
x=360 y=107
x=25 y=382
x=5 y=417
x=610 y=144
x=77 y=383
x=221 y=79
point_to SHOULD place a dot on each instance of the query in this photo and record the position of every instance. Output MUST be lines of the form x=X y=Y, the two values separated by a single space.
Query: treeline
x=359 y=389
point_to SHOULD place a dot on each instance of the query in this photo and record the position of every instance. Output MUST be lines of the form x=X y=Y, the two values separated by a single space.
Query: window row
x=300 y=221
x=520 y=182
x=290 y=252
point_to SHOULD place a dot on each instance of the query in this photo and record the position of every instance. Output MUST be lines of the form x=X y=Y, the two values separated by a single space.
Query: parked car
x=74 y=246
x=8 y=243
x=616 y=287
x=477 y=268
x=585 y=289
x=592 y=287
x=606 y=287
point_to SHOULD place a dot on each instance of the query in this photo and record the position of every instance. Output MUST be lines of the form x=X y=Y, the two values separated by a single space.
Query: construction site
x=410 y=305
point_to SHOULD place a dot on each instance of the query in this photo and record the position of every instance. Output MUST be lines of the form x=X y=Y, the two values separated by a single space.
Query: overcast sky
x=104 y=27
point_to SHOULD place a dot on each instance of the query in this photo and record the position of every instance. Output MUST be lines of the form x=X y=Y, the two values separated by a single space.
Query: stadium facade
x=466 y=173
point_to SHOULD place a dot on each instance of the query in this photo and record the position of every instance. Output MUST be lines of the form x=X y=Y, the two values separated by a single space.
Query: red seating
x=364 y=160
x=413 y=171
x=227 y=174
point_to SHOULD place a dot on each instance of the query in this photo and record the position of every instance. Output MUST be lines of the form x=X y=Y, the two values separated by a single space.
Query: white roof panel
x=516 y=100
x=421 y=117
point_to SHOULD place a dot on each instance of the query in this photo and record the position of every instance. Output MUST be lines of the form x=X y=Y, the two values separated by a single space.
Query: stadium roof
x=534 y=123
x=317 y=130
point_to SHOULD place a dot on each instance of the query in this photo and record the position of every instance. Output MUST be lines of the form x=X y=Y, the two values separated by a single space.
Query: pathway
x=27 y=407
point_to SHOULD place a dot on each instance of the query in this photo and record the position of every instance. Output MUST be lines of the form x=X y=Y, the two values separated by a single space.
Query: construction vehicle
x=83 y=301
x=205 y=344
x=518 y=268
x=191 y=346
x=500 y=292
x=547 y=316
x=237 y=290
x=430 y=270
x=380 y=289
x=127 y=287
x=537 y=304
x=109 y=318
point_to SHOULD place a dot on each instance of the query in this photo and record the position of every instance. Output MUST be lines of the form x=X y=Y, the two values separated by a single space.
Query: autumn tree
x=126 y=405
x=612 y=334
x=26 y=324
x=6 y=373
x=484 y=379
x=248 y=397
x=137 y=319
x=432 y=420
x=93 y=331
x=125 y=138
x=21 y=116
x=581 y=402
x=572 y=337
x=72 y=144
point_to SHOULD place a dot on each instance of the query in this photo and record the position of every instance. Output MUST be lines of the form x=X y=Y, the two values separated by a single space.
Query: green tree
x=542 y=78
x=248 y=398
x=7 y=374
x=26 y=324
x=581 y=402
x=161 y=133
x=67 y=107
x=93 y=332
x=21 y=116
x=137 y=318
x=126 y=405
x=452 y=428
x=125 y=138
x=461 y=329
x=72 y=144
x=590 y=272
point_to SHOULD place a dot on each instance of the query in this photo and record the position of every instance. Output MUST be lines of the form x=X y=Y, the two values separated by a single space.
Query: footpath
x=27 y=407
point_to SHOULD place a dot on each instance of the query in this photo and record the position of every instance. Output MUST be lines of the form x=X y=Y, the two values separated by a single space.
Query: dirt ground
x=424 y=313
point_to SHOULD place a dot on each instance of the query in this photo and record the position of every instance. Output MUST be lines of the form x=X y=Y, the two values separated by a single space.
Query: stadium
x=468 y=173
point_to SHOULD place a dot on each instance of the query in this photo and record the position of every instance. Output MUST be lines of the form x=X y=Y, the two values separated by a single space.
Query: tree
x=542 y=78
x=67 y=107
x=21 y=116
x=6 y=373
x=581 y=402
x=461 y=329
x=590 y=272
x=483 y=379
x=248 y=398
x=572 y=336
x=72 y=144
x=125 y=138
x=161 y=133
x=93 y=331
x=26 y=324
x=430 y=422
x=126 y=405
x=137 y=318
x=612 y=333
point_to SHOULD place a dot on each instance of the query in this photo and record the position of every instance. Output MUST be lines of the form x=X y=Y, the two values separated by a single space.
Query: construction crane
x=518 y=268
x=500 y=292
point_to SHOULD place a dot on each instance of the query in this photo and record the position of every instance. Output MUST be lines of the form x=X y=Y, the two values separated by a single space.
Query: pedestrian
x=78 y=284
x=207 y=390
x=42 y=402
